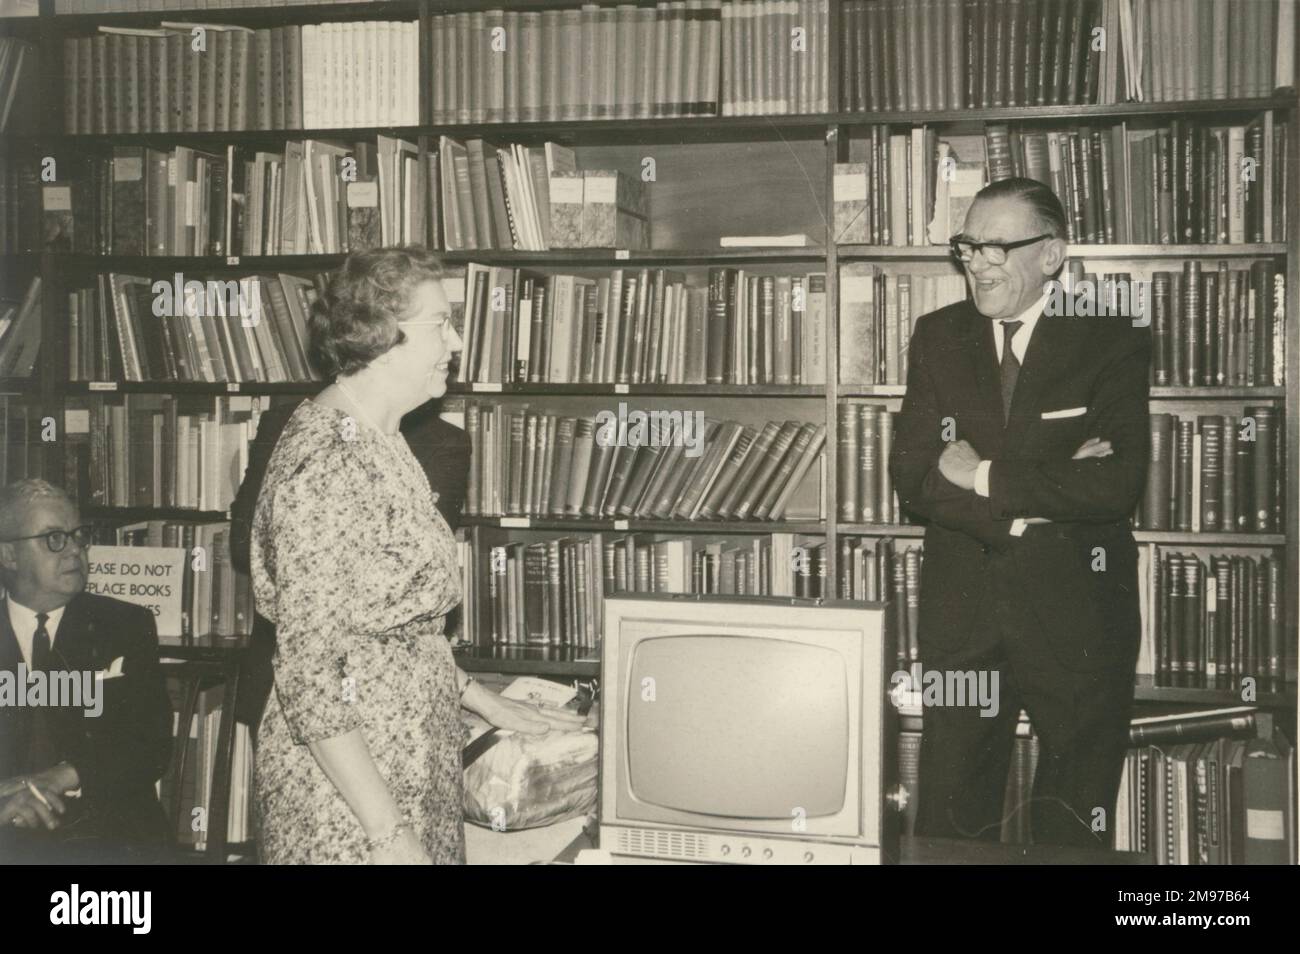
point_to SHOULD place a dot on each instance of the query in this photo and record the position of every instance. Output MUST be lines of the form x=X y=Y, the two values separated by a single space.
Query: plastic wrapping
x=530 y=781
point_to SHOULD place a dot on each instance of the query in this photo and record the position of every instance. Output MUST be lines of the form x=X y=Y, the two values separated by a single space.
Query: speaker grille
x=661 y=844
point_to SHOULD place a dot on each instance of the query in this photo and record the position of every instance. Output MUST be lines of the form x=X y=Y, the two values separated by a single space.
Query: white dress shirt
x=1019 y=346
x=23 y=621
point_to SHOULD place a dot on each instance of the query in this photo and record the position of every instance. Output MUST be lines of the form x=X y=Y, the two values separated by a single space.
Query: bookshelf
x=710 y=169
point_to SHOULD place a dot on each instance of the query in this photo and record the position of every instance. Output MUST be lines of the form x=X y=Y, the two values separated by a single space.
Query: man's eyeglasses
x=56 y=540
x=995 y=253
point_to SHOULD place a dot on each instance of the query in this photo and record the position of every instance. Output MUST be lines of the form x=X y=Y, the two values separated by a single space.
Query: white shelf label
x=621 y=389
x=103 y=385
x=76 y=421
x=232 y=387
x=232 y=259
x=481 y=387
x=621 y=525
x=57 y=198
x=516 y=521
x=622 y=254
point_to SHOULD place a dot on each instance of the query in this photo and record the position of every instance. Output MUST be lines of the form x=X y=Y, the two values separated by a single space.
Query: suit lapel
x=1049 y=349
x=75 y=640
x=10 y=653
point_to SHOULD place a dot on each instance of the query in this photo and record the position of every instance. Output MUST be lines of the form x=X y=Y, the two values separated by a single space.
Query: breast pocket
x=1057 y=437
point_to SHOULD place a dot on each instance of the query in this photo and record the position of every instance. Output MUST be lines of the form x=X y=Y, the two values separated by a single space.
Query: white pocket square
x=113 y=671
x=1067 y=412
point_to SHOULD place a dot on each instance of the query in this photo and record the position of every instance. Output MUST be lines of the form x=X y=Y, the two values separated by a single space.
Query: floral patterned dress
x=353 y=563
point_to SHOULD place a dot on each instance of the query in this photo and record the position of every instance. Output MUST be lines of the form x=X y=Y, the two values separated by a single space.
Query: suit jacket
x=1100 y=365
x=443 y=451
x=123 y=751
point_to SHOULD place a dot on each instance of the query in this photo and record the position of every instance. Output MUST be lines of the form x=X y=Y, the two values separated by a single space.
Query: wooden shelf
x=196 y=264
x=134 y=514
x=1155 y=392
x=552 y=661
x=267 y=14
x=206 y=649
x=942 y=252
x=216 y=388
x=815 y=527
x=1169 y=537
x=1281 y=99
x=1146 y=690
x=645 y=390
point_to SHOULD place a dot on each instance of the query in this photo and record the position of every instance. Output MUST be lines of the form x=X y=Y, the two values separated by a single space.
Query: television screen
x=738 y=726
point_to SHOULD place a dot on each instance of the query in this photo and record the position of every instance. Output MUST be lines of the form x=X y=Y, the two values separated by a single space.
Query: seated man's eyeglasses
x=995 y=253
x=56 y=540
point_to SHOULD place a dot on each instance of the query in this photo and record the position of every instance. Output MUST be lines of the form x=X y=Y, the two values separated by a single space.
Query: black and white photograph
x=764 y=433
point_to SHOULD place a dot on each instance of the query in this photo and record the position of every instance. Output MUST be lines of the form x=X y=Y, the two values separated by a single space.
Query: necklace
x=360 y=410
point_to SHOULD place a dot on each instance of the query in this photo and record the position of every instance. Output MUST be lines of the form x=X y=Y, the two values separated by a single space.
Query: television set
x=745 y=730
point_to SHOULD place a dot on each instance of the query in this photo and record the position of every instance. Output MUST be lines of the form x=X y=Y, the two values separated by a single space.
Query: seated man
x=76 y=777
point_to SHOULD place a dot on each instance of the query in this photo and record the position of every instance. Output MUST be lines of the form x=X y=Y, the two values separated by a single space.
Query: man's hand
x=958 y=464
x=33 y=807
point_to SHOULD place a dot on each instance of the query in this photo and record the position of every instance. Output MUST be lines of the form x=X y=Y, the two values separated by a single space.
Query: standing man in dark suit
x=443 y=451
x=1023 y=443
x=49 y=623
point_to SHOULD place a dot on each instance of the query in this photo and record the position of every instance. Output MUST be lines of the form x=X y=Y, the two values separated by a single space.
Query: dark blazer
x=443 y=451
x=1090 y=618
x=122 y=752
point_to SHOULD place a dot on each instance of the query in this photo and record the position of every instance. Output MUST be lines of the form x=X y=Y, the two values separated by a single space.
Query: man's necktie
x=1010 y=366
x=41 y=751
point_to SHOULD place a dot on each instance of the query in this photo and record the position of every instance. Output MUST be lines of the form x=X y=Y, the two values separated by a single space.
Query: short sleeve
x=314 y=536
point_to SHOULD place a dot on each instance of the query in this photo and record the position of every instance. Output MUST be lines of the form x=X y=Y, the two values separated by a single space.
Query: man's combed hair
x=17 y=497
x=355 y=319
x=1048 y=210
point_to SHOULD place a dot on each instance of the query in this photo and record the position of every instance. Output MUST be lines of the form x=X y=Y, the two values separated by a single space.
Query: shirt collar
x=1029 y=316
x=23 y=619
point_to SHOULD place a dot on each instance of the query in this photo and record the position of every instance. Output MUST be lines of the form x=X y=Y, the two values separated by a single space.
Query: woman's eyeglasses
x=995 y=253
x=57 y=540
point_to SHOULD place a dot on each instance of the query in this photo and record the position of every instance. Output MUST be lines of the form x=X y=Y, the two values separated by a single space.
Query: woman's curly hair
x=354 y=320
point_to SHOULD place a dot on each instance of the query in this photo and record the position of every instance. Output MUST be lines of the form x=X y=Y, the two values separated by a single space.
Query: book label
x=601 y=189
x=57 y=198
x=363 y=195
x=850 y=188
x=1264 y=825
x=76 y=421
x=566 y=191
x=128 y=169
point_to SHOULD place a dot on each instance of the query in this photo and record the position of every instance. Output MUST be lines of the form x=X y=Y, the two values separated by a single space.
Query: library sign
x=147 y=576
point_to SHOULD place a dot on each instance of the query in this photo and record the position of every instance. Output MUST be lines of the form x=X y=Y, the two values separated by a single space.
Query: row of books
x=546 y=593
x=1189 y=182
x=866 y=436
x=223 y=77
x=1185 y=183
x=1212 y=49
x=22 y=452
x=1199 y=803
x=644 y=326
x=767 y=68
x=1216 y=326
x=882 y=570
x=535 y=198
x=779 y=564
x=878 y=312
x=20 y=331
x=1216 y=473
x=955 y=54
x=520 y=65
x=69 y=7
x=636 y=465
x=216 y=598
x=131 y=328
x=190 y=795
x=147 y=450
x=1215 y=619
x=18 y=65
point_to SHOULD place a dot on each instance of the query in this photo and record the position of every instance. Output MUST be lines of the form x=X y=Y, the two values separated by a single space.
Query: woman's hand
x=405 y=849
x=518 y=716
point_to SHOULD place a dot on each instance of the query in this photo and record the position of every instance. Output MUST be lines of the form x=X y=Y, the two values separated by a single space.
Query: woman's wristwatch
x=469 y=680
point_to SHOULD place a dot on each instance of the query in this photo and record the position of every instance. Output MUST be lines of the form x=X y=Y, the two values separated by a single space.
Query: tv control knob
x=726 y=849
x=808 y=856
x=767 y=854
x=745 y=852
